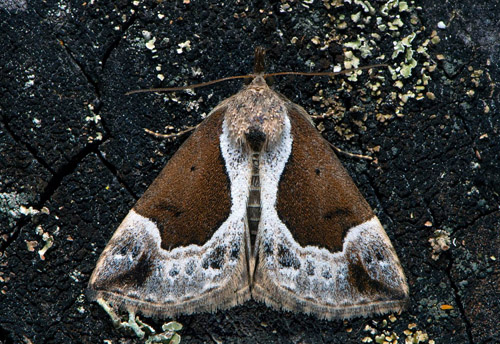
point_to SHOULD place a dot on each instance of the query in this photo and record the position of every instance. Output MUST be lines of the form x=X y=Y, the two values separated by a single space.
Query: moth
x=254 y=205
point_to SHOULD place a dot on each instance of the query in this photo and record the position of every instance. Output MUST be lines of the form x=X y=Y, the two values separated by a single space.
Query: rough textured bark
x=73 y=148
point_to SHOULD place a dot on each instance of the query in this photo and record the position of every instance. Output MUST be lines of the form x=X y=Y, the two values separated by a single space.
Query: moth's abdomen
x=255 y=139
x=254 y=204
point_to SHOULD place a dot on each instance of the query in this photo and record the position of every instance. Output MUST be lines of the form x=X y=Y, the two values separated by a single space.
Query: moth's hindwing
x=321 y=248
x=181 y=249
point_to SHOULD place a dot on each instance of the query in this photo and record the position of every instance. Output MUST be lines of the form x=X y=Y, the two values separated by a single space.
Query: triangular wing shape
x=181 y=249
x=321 y=250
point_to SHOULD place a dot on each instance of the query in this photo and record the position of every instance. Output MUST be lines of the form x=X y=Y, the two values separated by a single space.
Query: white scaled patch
x=183 y=273
x=318 y=279
x=238 y=169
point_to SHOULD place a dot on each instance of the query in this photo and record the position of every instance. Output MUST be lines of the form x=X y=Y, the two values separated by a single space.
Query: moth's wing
x=181 y=248
x=321 y=248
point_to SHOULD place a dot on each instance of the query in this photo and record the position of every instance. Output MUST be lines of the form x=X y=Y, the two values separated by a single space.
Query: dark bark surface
x=75 y=158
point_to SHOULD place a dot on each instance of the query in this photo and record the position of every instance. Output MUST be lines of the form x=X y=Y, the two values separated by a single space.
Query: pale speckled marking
x=178 y=274
x=363 y=239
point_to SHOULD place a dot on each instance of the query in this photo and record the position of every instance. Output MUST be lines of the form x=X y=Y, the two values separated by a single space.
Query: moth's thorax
x=256 y=113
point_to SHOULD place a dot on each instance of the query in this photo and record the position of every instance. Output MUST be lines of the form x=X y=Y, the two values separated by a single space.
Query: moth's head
x=258 y=82
x=256 y=116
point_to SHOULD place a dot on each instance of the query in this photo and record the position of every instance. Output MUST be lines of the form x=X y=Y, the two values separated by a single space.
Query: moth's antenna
x=345 y=71
x=259 y=68
x=180 y=88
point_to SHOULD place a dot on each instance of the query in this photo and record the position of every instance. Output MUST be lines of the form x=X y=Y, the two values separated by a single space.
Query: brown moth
x=255 y=204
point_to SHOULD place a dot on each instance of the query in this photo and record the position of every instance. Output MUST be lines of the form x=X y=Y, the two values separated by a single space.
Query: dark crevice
x=5 y=337
x=27 y=146
x=378 y=197
x=114 y=171
x=65 y=170
x=107 y=53
x=117 y=41
x=473 y=222
x=87 y=76
x=466 y=127
x=458 y=299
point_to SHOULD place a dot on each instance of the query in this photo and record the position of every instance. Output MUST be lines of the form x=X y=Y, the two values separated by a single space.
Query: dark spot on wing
x=139 y=273
x=326 y=274
x=128 y=248
x=174 y=271
x=124 y=250
x=235 y=251
x=286 y=258
x=268 y=247
x=190 y=267
x=170 y=209
x=310 y=269
x=215 y=259
x=337 y=213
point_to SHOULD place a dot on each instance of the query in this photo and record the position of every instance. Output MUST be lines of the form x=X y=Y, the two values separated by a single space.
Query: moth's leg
x=111 y=312
x=352 y=155
x=170 y=136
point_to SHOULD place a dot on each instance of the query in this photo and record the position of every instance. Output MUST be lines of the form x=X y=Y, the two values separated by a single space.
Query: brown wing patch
x=317 y=199
x=190 y=198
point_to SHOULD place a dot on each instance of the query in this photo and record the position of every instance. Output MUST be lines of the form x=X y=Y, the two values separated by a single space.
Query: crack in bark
x=475 y=220
x=117 y=41
x=26 y=145
x=458 y=299
x=65 y=170
x=116 y=174
x=90 y=80
x=96 y=85
x=379 y=197
x=69 y=167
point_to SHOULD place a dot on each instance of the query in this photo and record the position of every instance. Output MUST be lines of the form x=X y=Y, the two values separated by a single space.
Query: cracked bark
x=458 y=299
x=91 y=183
